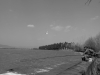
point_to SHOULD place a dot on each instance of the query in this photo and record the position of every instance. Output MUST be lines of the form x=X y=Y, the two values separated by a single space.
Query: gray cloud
x=67 y=28
x=51 y=25
x=30 y=26
x=96 y=17
x=57 y=28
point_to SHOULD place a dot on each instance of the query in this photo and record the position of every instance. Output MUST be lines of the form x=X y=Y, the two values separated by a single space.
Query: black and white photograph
x=49 y=37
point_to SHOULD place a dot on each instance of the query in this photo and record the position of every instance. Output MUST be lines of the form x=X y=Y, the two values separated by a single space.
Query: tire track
x=92 y=68
x=72 y=67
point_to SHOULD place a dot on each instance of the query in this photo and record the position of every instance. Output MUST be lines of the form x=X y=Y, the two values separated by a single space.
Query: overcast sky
x=31 y=23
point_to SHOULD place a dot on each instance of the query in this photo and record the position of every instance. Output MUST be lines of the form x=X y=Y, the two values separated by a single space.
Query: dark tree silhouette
x=58 y=46
x=88 y=2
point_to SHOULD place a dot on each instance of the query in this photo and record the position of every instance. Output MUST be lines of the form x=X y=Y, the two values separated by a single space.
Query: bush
x=78 y=48
x=97 y=42
x=90 y=43
x=93 y=43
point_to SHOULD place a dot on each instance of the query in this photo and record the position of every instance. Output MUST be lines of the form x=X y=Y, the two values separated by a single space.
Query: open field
x=33 y=61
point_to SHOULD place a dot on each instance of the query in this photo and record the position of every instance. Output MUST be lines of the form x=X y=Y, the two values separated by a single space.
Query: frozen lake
x=34 y=61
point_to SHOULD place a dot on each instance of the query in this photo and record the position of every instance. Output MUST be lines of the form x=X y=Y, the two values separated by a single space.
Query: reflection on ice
x=12 y=73
x=47 y=69
x=41 y=70
x=59 y=64
x=38 y=70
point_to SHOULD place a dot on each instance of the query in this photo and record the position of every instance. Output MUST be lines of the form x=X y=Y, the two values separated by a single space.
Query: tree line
x=58 y=46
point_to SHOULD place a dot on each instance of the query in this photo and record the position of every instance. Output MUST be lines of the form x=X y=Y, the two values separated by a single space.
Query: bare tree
x=88 y=2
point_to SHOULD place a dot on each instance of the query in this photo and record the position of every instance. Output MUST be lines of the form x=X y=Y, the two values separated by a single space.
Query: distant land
x=11 y=47
x=5 y=46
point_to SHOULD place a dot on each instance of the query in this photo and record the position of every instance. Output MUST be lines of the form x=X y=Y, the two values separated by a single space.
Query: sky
x=33 y=23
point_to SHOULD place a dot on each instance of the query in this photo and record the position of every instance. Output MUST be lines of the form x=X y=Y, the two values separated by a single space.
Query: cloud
x=10 y=10
x=96 y=17
x=57 y=28
x=47 y=33
x=30 y=26
x=67 y=28
x=51 y=25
